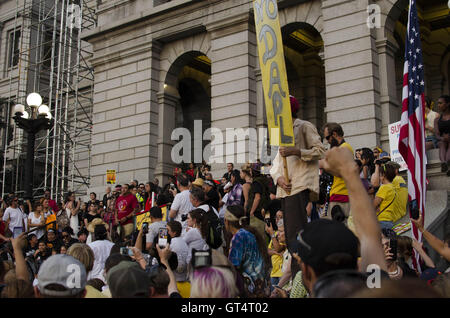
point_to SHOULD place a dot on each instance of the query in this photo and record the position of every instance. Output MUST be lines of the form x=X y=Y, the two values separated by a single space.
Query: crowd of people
x=320 y=230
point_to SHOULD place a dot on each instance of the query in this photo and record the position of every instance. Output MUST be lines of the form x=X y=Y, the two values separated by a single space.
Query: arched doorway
x=184 y=108
x=303 y=49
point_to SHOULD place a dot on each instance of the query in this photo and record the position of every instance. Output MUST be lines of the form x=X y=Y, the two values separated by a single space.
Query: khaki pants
x=127 y=229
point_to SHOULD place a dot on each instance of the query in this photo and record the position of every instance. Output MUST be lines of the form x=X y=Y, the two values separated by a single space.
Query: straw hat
x=97 y=221
x=198 y=182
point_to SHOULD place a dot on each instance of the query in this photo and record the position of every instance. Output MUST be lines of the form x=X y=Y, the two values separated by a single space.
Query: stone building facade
x=160 y=65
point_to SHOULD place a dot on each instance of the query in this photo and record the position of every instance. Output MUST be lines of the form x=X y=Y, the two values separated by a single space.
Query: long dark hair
x=69 y=194
x=200 y=218
x=239 y=212
x=368 y=154
x=237 y=176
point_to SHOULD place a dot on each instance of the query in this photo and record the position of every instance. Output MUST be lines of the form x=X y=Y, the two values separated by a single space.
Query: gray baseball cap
x=128 y=280
x=62 y=270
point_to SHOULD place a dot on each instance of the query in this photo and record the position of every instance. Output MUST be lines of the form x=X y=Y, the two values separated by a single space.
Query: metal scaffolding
x=51 y=59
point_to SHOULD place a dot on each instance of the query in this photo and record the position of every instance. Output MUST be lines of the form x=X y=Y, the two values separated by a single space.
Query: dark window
x=14 y=46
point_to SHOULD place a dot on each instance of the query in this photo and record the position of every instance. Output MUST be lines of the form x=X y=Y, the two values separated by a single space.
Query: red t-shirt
x=125 y=205
x=190 y=172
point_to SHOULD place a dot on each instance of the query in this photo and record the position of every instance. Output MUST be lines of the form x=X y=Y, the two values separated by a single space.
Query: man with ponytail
x=248 y=252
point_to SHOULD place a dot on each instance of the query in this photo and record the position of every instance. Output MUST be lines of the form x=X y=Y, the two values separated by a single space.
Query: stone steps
x=437 y=217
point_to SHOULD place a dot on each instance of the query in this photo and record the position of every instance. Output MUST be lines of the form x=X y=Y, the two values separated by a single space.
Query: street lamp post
x=39 y=119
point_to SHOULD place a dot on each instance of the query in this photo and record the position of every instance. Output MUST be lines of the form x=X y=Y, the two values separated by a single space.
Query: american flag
x=412 y=130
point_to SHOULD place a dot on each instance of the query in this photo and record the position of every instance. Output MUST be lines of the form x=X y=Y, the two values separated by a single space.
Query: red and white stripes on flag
x=412 y=130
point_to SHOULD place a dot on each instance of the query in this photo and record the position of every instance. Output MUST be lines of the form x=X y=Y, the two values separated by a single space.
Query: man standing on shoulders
x=303 y=184
x=126 y=207
x=334 y=134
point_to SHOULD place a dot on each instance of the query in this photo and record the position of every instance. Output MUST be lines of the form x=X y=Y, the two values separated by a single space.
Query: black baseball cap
x=322 y=239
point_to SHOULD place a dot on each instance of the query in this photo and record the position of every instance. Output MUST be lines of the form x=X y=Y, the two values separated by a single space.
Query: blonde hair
x=247 y=169
x=84 y=254
x=213 y=282
x=16 y=288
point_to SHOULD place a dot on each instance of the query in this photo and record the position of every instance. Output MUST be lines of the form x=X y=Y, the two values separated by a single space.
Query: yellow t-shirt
x=387 y=193
x=401 y=201
x=184 y=289
x=277 y=263
x=338 y=186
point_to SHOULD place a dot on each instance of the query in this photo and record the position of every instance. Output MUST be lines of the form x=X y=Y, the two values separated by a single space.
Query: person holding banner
x=303 y=184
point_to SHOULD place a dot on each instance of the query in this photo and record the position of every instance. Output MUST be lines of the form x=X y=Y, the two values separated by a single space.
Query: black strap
x=388 y=205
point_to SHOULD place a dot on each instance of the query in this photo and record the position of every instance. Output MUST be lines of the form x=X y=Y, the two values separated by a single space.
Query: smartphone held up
x=162 y=237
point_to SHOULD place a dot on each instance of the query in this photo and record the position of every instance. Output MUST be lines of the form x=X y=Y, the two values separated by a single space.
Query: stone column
x=154 y=68
x=167 y=101
x=261 y=120
x=312 y=105
x=233 y=86
x=351 y=73
x=390 y=102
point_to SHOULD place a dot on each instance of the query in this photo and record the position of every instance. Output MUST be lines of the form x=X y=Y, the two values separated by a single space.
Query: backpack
x=214 y=236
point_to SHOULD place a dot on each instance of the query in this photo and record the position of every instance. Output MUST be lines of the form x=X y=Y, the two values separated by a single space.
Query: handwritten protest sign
x=110 y=176
x=273 y=71
x=394 y=135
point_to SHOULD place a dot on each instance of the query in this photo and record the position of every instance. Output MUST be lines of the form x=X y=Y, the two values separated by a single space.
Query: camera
x=382 y=161
x=126 y=251
x=201 y=258
x=145 y=227
x=184 y=217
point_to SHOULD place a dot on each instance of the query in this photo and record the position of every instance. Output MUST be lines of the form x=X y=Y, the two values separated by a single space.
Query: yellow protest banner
x=110 y=176
x=145 y=217
x=273 y=71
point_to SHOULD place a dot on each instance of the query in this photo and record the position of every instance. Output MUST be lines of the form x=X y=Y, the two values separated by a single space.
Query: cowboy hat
x=97 y=221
